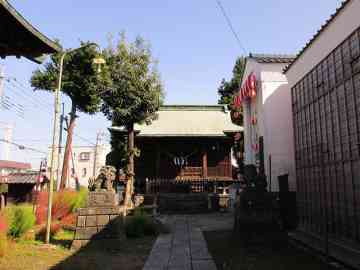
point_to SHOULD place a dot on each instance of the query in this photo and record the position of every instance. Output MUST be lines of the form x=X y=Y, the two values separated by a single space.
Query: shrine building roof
x=188 y=121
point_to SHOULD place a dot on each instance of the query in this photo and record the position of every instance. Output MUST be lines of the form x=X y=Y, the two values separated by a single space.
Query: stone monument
x=101 y=219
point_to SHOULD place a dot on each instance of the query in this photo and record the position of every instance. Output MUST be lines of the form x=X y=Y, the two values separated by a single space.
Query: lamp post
x=56 y=130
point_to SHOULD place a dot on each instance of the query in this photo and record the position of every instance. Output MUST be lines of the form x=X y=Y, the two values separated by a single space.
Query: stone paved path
x=185 y=247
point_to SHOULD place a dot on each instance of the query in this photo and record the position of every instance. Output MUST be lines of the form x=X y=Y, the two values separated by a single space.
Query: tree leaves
x=80 y=80
x=227 y=89
x=135 y=92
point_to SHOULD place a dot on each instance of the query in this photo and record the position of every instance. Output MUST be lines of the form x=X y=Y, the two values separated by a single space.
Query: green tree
x=227 y=89
x=134 y=94
x=80 y=82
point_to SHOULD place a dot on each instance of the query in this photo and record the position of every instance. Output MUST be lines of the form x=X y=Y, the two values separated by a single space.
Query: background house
x=8 y=166
x=267 y=116
x=325 y=85
x=85 y=162
x=22 y=185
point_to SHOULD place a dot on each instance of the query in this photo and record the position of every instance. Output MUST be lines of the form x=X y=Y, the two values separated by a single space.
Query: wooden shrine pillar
x=204 y=164
x=230 y=165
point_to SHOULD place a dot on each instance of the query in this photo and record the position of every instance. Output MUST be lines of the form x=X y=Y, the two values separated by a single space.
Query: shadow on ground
x=260 y=251
x=105 y=252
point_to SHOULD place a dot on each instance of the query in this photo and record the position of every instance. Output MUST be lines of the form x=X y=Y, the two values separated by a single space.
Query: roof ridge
x=215 y=107
x=264 y=58
x=271 y=55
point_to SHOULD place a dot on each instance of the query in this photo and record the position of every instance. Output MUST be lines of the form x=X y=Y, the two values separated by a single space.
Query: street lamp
x=96 y=60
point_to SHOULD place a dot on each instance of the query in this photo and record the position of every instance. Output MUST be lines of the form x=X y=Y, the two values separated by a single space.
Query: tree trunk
x=128 y=204
x=2 y=201
x=67 y=153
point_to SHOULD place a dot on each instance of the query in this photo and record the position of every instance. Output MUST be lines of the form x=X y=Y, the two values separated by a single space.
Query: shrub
x=80 y=199
x=139 y=225
x=41 y=207
x=64 y=205
x=21 y=220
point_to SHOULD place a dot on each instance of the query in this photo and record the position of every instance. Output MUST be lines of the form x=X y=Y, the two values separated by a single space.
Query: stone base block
x=95 y=223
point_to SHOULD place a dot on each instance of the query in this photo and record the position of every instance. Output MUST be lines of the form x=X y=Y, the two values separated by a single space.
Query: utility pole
x=53 y=151
x=62 y=119
x=56 y=131
x=8 y=131
x=98 y=135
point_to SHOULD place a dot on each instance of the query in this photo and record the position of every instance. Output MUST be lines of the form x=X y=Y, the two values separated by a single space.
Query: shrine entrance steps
x=182 y=203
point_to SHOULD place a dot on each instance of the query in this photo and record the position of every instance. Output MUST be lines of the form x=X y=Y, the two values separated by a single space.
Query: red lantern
x=253 y=120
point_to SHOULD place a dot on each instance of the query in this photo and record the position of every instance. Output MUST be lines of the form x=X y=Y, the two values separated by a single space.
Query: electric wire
x=229 y=23
x=23 y=147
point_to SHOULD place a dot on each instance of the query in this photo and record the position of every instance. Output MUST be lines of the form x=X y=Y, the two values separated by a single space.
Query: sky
x=190 y=39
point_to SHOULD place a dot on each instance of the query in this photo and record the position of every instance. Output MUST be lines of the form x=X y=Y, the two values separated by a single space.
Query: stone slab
x=81 y=221
x=184 y=248
x=110 y=210
x=85 y=233
x=203 y=265
x=102 y=199
x=102 y=220
x=90 y=221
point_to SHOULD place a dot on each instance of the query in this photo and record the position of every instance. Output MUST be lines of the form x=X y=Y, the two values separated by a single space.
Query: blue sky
x=190 y=39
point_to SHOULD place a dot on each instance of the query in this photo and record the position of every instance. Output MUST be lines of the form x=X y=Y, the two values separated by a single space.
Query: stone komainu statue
x=104 y=181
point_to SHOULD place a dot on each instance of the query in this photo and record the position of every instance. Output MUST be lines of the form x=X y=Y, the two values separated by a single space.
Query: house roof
x=272 y=58
x=19 y=38
x=318 y=33
x=22 y=178
x=188 y=121
x=8 y=164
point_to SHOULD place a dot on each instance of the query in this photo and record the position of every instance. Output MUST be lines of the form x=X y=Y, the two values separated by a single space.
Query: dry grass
x=31 y=255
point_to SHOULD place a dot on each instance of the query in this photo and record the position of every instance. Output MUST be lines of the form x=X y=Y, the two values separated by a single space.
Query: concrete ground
x=185 y=248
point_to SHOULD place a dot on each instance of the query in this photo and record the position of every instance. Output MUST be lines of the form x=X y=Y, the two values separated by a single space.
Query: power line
x=23 y=147
x=84 y=139
x=228 y=21
x=26 y=98
x=26 y=90
x=20 y=92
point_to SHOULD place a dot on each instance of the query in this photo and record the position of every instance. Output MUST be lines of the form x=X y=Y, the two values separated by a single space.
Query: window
x=83 y=172
x=84 y=156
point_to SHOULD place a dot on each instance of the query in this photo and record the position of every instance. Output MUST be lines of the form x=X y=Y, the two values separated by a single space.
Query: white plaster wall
x=272 y=107
x=278 y=136
x=251 y=66
x=340 y=28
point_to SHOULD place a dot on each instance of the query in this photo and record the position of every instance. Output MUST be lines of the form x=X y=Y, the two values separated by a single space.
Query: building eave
x=48 y=46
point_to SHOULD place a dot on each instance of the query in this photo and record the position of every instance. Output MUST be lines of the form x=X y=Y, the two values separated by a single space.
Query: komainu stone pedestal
x=95 y=223
x=102 y=199
x=102 y=219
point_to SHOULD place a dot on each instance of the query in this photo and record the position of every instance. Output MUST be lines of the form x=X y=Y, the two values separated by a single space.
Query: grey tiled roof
x=21 y=178
x=188 y=121
x=272 y=58
x=322 y=28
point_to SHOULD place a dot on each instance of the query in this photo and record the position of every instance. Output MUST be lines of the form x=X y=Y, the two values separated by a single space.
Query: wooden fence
x=179 y=186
